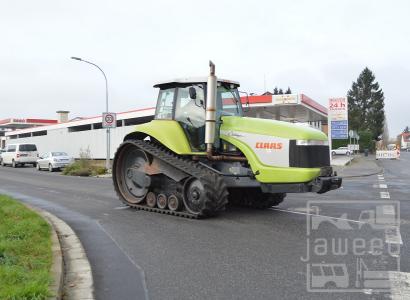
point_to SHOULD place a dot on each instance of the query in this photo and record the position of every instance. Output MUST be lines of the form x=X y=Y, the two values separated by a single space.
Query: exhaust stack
x=210 y=117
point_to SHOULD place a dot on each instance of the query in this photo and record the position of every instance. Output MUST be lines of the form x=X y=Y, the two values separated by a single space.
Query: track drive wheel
x=130 y=180
x=205 y=196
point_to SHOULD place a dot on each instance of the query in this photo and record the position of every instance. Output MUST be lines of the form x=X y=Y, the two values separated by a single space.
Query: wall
x=72 y=142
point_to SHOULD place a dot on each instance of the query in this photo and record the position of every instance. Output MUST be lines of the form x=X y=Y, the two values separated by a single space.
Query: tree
x=275 y=91
x=366 y=104
x=280 y=92
x=288 y=91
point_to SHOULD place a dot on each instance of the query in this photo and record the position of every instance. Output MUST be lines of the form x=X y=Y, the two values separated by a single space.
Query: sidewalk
x=359 y=166
x=341 y=160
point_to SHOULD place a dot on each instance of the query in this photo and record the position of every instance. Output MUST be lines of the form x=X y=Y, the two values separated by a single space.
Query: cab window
x=230 y=100
x=165 y=104
x=190 y=106
x=11 y=148
x=190 y=114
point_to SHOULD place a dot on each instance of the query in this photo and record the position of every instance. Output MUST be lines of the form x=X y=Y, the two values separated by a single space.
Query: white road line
x=121 y=207
x=384 y=195
x=383 y=186
x=316 y=215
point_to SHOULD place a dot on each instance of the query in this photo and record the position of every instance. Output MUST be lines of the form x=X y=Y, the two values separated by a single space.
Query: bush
x=71 y=168
x=99 y=170
x=79 y=168
x=81 y=172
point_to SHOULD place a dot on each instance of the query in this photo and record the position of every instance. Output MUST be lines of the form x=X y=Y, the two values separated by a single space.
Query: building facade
x=87 y=134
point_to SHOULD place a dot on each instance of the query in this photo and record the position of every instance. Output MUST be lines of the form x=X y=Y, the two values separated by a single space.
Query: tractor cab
x=185 y=100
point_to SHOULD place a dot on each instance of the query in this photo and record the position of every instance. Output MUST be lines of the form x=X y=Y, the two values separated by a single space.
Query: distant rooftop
x=20 y=123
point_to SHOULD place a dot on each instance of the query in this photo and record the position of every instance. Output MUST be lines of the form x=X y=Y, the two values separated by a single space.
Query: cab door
x=190 y=114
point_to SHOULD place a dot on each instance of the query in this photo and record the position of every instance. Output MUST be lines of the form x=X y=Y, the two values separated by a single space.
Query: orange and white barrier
x=387 y=154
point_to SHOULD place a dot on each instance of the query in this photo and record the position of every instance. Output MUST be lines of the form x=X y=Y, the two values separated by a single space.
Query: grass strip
x=25 y=252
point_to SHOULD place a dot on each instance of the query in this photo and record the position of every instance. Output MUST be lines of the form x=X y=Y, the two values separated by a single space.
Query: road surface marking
x=316 y=215
x=121 y=207
x=384 y=195
x=383 y=186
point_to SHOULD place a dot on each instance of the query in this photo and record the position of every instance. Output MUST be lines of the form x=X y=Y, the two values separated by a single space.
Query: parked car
x=19 y=155
x=341 y=151
x=53 y=161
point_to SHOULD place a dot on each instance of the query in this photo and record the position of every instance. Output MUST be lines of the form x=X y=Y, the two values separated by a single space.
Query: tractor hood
x=274 y=128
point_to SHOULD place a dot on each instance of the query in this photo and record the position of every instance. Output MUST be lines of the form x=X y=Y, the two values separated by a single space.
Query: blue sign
x=339 y=130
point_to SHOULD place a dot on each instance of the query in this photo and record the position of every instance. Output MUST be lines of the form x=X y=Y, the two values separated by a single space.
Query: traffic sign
x=339 y=130
x=109 y=120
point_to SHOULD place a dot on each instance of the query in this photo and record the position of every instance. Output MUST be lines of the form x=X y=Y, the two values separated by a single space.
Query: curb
x=71 y=267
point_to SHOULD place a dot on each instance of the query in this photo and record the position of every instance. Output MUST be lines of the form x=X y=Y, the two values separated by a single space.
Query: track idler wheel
x=130 y=180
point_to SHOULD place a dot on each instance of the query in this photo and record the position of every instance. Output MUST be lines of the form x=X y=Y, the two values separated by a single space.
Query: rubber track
x=184 y=165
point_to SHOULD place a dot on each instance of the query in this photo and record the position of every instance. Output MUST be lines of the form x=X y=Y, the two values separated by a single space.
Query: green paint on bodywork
x=271 y=128
x=272 y=174
x=169 y=133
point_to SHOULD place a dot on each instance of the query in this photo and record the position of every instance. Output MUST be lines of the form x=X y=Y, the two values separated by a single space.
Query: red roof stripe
x=312 y=103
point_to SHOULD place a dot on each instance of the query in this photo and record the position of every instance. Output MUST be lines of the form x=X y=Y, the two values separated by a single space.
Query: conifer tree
x=366 y=104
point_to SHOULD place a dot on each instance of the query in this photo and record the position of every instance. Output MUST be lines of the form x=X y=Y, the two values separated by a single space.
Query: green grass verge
x=25 y=252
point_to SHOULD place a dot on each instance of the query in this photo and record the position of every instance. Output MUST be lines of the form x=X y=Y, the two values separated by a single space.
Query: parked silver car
x=54 y=160
x=341 y=151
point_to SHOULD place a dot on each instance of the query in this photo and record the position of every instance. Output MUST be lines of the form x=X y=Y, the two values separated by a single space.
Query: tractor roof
x=191 y=80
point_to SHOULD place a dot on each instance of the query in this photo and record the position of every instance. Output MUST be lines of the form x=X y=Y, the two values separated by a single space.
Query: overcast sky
x=316 y=47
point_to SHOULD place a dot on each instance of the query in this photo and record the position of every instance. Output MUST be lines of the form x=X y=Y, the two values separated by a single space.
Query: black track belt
x=187 y=166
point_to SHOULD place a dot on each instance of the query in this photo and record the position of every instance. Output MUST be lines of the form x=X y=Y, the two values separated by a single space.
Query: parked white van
x=19 y=155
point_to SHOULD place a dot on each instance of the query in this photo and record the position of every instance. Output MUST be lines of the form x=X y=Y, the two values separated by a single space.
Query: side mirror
x=192 y=93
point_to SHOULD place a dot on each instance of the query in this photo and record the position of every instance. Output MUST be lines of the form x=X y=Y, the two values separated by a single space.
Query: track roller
x=162 y=201
x=151 y=199
x=174 y=203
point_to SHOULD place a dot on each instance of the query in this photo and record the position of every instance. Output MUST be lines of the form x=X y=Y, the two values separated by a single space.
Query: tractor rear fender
x=168 y=132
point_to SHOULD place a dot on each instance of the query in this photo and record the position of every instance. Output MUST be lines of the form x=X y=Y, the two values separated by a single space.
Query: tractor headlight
x=311 y=143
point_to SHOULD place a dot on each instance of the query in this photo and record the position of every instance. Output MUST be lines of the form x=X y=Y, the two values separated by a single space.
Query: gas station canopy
x=14 y=123
x=288 y=107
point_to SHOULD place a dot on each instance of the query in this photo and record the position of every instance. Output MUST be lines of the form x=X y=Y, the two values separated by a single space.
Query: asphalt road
x=243 y=253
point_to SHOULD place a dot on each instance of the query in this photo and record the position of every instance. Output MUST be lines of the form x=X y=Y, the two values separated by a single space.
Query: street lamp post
x=107 y=160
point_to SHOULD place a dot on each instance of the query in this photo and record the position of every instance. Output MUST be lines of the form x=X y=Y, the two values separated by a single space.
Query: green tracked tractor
x=200 y=152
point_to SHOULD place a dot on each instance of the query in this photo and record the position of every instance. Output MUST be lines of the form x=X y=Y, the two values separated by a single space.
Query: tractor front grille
x=312 y=156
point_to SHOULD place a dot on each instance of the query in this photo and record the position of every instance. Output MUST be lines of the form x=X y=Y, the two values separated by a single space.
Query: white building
x=75 y=136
